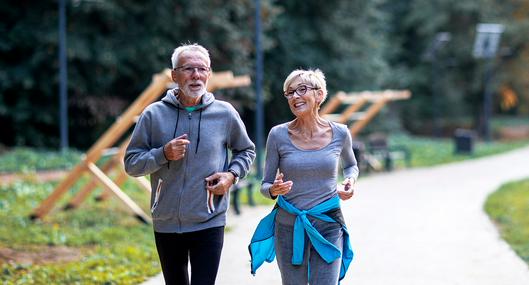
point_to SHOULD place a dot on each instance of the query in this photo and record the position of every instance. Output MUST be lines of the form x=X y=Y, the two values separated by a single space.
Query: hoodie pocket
x=210 y=203
x=157 y=194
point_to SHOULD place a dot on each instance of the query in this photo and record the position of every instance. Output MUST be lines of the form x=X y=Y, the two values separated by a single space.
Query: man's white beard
x=193 y=94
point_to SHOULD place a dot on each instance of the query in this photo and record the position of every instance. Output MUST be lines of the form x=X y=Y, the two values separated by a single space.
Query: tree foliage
x=115 y=46
x=345 y=39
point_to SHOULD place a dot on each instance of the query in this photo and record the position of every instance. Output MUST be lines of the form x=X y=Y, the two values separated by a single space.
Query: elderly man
x=182 y=141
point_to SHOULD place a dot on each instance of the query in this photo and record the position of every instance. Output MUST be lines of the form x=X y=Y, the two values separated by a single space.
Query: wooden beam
x=118 y=160
x=114 y=189
x=370 y=114
x=144 y=183
x=119 y=180
x=374 y=96
x=333 y=103
x=65 y=184
x=125 y=121
x=344 y=118
x=81 y=196
x=225 y=79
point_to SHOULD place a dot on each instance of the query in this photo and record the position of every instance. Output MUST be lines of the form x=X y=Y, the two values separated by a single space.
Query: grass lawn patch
x=105 y=243
x=508 y=207
x=433 y=151
x=23 y=159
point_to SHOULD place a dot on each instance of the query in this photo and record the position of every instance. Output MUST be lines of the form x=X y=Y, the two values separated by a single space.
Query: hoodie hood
x=171 y=97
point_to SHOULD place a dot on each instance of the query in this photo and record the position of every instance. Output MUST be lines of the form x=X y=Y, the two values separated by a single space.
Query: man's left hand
x=219 y=183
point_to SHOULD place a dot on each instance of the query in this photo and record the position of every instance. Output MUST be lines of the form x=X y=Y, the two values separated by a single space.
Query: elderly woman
x=306 y=228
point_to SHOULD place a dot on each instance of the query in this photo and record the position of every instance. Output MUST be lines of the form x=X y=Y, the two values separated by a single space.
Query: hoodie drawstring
x=198 y=139
x=176 y=124
x=174 y=132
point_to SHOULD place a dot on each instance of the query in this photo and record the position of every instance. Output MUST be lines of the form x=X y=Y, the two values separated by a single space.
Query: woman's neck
x=308 y=125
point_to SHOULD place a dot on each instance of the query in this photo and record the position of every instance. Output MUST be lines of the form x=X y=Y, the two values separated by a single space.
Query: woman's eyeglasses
x=300 y=90
x=189 y=70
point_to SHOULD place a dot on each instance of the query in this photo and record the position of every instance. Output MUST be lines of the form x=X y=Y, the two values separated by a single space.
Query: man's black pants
x=201 y=249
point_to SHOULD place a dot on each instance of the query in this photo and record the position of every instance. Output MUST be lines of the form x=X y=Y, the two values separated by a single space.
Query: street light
x=63 y=77
x=485 y=47
x=259 y=122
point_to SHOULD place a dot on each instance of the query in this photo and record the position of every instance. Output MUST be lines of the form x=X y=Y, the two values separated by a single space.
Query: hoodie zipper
x=189 y=116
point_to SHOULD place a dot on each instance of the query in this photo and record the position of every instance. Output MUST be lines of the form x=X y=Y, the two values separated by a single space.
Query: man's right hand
x=176 y=148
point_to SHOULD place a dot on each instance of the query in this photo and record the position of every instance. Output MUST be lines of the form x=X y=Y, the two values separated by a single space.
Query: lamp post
x=63 y=77
x=259 y=120
x=485 y=47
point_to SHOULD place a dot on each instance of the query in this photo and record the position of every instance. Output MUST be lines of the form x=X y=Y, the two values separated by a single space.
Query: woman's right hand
x=279 y=187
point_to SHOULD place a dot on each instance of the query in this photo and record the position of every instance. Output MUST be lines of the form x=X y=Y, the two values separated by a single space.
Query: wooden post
x=118 y=180
x=225 y=79
x=79 y=198
x=351 y=110
x=333 y=103
x=144 y=183
x=114 y=189
x=370 y=114
x=355 y=102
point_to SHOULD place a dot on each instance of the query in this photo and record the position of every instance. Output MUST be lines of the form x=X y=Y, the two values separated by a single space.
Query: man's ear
x=173 y=75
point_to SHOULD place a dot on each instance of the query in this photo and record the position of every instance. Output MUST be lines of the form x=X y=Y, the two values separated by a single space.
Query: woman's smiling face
x=301 y=104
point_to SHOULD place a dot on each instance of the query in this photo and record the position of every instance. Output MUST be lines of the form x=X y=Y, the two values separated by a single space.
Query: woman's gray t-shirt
x=314 y=173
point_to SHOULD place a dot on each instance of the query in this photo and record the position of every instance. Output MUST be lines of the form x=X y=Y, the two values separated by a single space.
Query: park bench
x=379 y=152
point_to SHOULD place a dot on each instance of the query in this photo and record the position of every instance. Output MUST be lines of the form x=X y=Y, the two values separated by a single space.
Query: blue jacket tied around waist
x=262 y=245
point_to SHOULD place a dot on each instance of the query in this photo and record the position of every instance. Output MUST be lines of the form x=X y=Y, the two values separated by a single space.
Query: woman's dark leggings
x=201 y=249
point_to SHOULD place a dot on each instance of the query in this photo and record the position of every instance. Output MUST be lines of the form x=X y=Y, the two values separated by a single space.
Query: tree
x=114 y=48
x=345 y=39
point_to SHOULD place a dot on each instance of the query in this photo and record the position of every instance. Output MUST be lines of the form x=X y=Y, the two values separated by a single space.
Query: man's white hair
x=189 y=47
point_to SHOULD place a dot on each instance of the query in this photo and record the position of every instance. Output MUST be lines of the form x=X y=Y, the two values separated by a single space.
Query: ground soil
x=41 y=176
x=39 y=255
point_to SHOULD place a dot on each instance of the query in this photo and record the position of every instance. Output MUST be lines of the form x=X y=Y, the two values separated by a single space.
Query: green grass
x=508 y=207
x=116 y=248
x=428 y=151
x=508 y=121
x=24 y=159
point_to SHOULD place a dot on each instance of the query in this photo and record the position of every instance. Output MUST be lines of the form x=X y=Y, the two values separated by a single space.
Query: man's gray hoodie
x=179 y=200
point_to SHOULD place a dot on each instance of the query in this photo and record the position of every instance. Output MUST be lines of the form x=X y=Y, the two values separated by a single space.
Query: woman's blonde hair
x=313 y=77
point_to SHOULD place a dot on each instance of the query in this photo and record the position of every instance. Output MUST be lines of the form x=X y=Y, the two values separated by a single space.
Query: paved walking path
x=422 y=226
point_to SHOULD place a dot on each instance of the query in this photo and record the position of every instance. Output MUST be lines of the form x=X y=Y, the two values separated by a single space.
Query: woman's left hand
x=348 y=190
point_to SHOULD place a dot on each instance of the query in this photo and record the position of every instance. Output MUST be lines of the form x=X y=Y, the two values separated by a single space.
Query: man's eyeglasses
x=189 y=70
x=300 y=90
